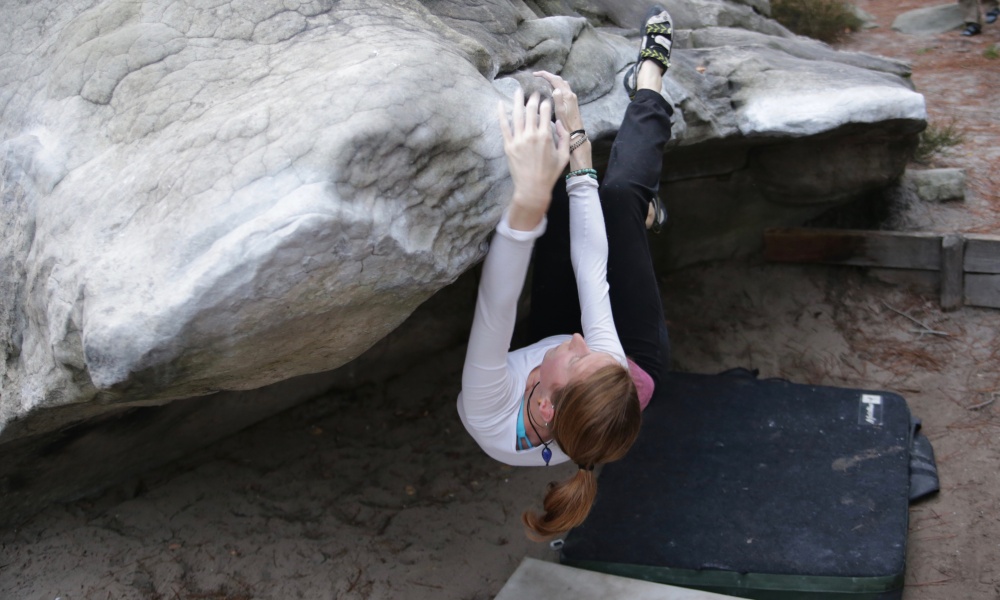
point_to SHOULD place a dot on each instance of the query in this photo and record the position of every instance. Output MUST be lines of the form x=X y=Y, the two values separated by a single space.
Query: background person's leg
x=631 y=180
x=990 y=9
x=970 y=11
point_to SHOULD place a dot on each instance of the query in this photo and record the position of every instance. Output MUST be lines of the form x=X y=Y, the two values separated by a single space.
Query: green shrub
x=934 y=139
x=992 y=52
x=826 y=20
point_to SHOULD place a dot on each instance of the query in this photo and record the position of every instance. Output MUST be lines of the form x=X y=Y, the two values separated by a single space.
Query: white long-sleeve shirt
x=494 y=379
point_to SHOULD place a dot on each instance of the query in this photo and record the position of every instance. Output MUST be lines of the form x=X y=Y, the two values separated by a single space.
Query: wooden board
x=982 y=290
x=854 y=247
x=982 y=253
x=952 y=271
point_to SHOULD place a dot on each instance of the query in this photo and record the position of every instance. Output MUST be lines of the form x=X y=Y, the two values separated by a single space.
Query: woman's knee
x=623 y=202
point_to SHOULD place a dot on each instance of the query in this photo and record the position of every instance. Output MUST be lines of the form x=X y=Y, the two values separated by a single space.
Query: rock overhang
x=205 y=200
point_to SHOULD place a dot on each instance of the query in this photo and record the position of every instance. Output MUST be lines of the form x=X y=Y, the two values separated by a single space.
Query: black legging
x=631 y=181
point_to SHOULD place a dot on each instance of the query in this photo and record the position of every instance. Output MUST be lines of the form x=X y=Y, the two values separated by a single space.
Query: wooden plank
x=897 y=250
x=982 y=290
x=982 y=253
x=952 y=275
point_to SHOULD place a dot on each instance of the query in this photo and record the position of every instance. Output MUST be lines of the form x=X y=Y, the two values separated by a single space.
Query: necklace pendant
x=546 y=455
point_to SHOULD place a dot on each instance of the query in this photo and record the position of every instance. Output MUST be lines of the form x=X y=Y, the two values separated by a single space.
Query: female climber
x=579 y=395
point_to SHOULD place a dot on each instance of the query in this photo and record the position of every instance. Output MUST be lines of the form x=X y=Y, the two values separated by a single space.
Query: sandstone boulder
x=211 y=198
x=936 y=185
x=930 y=20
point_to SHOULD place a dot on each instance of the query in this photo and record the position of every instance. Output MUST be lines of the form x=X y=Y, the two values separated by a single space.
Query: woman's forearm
x=589 y=256
x=581 y=157
x=525 y=212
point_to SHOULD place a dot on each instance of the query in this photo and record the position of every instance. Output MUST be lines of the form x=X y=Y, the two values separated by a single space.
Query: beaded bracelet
x=578 y=143
x=591 y=172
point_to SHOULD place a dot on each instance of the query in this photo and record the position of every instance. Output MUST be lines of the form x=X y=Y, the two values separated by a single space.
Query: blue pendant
x=546 y=455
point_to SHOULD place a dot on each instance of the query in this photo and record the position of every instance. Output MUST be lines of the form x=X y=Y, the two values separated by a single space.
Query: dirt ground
x=378 y=492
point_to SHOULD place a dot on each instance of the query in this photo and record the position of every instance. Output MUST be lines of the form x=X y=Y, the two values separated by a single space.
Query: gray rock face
x=200 y=198
x=221 y=199
x=776 y=129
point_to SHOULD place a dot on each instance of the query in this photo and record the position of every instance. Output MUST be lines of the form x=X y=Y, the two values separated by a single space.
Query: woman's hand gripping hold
x=567 y=109
x=535 y=160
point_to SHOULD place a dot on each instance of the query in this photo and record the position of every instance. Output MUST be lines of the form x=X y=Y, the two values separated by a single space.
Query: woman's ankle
x=650 y=76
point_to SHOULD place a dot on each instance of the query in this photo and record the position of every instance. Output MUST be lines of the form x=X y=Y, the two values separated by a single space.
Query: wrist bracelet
x=591 y=172
x=577 y=132
x=577 y=143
